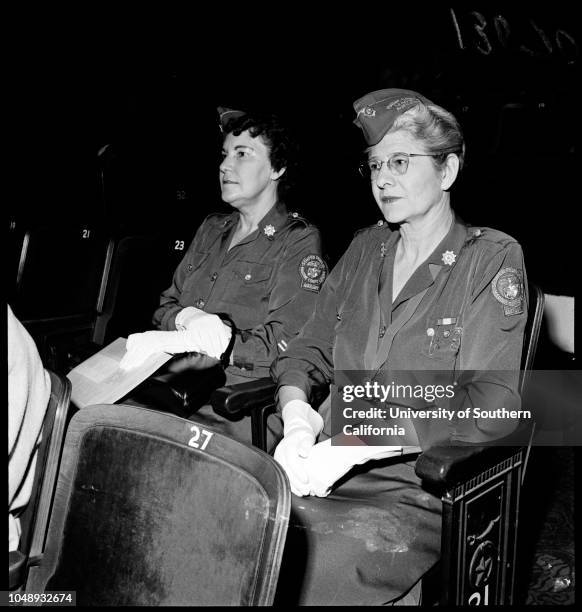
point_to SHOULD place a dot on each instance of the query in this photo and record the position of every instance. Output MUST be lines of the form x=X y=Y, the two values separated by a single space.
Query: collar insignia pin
x=449 y=258
x=269 y=231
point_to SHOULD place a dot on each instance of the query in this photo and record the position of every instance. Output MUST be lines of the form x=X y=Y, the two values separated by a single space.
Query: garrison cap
x=377 y=111
x=226 y=114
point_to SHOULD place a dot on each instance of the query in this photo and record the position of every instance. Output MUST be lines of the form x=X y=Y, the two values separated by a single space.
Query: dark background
x=148 y=86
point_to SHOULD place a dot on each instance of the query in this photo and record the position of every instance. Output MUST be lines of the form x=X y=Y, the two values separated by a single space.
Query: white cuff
x=298 y=413
x=186 y=316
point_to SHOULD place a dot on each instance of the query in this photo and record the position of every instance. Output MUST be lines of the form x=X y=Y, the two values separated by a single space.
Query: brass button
x=214 y=277
x=446 y=333
x=201 y=303
x=430 y=332
x=190 y=266
x=248 y=277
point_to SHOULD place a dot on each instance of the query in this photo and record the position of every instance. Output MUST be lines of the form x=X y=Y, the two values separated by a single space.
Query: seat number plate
x=195 y=442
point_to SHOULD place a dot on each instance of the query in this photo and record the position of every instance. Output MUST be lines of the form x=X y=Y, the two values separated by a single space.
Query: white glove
x=326 y=463
x=302 y=425
x=205 y=331
x=141 y=346
x=186 y=316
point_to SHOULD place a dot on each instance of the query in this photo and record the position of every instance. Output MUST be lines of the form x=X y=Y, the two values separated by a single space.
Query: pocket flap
x=250 y=272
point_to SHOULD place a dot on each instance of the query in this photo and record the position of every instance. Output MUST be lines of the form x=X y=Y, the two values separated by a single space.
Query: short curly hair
x=283 y=149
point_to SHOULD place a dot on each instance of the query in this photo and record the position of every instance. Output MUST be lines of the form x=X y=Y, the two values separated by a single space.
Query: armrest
x=445 y=466
x=238 y=400
x=17 y=566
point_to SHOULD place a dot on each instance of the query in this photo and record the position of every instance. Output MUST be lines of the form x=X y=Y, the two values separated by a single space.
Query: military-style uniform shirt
x=464 y=308
x=267 y=283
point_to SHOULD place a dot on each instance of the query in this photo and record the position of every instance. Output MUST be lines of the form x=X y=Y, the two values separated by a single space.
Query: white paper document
x=99 y=380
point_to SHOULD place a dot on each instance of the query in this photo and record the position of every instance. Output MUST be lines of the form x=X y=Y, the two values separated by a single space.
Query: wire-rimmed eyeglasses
x=397 y=163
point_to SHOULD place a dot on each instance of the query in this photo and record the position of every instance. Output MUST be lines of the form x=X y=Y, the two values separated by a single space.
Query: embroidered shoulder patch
x=313 y=272
x=507 y=287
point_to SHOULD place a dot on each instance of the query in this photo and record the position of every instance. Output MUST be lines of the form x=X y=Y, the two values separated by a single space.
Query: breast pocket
x=249 y=284
x=443 y=338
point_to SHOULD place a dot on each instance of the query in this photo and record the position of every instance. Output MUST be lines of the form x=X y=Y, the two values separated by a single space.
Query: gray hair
x=437 y=128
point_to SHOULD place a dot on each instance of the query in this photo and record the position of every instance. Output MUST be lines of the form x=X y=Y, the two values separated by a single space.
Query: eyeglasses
x=397 y=162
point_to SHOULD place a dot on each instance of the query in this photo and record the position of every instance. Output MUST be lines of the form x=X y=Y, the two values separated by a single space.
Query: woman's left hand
x=326 y=464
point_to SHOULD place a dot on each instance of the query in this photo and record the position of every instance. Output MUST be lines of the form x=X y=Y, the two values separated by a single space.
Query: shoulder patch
x=313 y=272
x=507 y=287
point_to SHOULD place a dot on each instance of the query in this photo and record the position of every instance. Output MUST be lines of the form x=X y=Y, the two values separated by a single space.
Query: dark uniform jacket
x=268 y=283
x=463 y=309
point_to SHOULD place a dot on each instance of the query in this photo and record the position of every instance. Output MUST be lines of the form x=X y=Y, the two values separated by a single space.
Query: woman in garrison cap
x=246 y=285
x=419 y=291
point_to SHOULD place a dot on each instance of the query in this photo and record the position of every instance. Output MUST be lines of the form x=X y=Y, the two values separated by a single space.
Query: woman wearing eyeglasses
x=419 y=291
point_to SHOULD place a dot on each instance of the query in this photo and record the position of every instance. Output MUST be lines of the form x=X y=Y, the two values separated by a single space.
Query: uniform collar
x=447 y=252
x=276 y=216
x=268 y=227
x=273 y=221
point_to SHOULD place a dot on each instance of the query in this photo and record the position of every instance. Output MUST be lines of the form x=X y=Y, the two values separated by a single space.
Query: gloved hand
x=301 y=426
x=326 y=464
x=205 y=331
x=140 y=346
x=186 y=316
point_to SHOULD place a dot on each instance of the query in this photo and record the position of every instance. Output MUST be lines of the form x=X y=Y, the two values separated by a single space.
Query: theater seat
x=34 y=519
x=151 y=509
x=60 y=272
x=138 y=268
x=15 y=240
x=142 y=267
x=59 y=288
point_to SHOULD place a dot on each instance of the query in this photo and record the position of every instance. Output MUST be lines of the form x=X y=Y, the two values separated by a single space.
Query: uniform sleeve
x=308 y=362
x=290 y=303
x=492 y=345
x=164 y=317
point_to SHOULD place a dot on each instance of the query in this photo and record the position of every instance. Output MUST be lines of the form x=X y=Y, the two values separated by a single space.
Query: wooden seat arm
x=238 y=400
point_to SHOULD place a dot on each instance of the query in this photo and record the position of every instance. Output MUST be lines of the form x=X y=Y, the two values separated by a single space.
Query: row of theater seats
x=101 y=496
x=78 y=287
